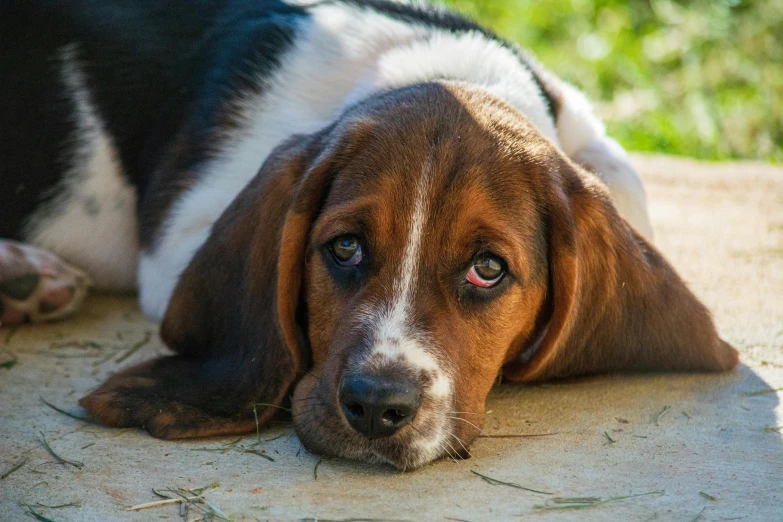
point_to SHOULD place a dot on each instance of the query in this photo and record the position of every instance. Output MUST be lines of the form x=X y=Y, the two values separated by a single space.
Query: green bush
x=701 y=78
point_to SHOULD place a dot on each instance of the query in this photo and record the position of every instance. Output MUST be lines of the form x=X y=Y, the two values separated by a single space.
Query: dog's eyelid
x=484 y=253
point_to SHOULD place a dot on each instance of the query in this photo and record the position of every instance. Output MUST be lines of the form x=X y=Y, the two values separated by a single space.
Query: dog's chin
x=323 y=430
x=402 y=451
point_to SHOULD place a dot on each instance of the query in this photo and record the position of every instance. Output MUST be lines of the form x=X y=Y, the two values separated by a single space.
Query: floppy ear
x=233 y=315
x=614 y=303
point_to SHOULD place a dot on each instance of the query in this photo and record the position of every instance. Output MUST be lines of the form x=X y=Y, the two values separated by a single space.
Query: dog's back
x=133 y=125
x=130 y=72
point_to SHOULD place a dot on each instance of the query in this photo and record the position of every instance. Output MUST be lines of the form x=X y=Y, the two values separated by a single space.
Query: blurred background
x=700 y=78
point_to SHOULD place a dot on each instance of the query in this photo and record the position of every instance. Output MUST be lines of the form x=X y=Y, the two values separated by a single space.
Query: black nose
x=378 y=407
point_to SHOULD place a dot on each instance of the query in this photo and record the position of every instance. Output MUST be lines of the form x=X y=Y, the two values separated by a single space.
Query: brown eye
x=347 y=250
x=486 y=272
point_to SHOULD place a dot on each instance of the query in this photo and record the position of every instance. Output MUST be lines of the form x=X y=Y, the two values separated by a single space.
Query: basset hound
x=370 y=209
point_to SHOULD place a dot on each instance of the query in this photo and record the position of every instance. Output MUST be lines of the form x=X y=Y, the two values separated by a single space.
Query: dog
x=377 y=207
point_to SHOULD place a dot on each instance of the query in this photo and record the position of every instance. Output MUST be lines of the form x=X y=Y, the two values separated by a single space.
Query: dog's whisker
x=461 y=443
x=467 y=422
x=443 y=449
x=454 y=453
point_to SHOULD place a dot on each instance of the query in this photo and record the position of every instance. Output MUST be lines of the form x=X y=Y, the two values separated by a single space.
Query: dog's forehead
x=457 y=136
x=458 y=185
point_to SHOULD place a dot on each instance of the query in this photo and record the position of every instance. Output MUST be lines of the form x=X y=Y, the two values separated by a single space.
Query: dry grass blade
x=660 y=415
x=199 y=491
x=496 y=482
x=162 y=502
x=59 y=506
x=610 y=439
x=260 y=454
x=37 y=515
x=59 y=410
x=763 y=392
x=562 y=503
x=135 y=348
x=12 y=470
x=518 y=436
x=707 y=496
x=315 y=469
x=575 y=500
x=773 y=428
x=212 y=510
x=698 y=516
x=76 y=464
x=217 y=511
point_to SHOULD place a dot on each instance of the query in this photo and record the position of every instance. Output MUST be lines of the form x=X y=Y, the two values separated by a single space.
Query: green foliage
x=701 y=78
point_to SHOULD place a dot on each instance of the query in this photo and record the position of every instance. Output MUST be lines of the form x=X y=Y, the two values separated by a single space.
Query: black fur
x=159 y=74
x=154 y=69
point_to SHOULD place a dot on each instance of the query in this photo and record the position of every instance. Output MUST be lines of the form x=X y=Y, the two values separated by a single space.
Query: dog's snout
x=378 y=407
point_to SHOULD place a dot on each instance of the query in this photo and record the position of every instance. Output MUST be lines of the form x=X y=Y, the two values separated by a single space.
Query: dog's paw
x=37 y=286
x=171 y=399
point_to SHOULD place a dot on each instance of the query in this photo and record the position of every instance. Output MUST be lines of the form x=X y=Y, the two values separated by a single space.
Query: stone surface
x=722 y=227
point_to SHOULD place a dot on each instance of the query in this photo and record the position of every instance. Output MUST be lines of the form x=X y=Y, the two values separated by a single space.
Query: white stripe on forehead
x=394 y=336
x=395 y=324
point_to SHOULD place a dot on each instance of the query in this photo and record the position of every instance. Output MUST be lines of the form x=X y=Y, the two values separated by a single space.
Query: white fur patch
x=577 y=124
x=472 y=58
x=341 y=55
x=159 y=270
x=91 y=222
x=583 y=138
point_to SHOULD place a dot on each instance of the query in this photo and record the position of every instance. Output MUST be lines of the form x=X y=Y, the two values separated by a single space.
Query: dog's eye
x=347 y=250
x=487 y=271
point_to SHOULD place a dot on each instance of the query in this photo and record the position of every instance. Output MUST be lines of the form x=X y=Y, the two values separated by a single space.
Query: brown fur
x=259 y=305
x=231 y=318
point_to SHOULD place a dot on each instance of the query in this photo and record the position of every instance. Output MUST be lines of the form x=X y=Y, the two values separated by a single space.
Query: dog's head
x=390 y=268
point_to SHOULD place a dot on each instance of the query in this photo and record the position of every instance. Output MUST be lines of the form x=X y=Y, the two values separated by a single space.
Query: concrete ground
x=690 y=447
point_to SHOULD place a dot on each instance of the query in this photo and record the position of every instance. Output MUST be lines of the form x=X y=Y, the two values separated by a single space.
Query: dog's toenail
x=21 y=287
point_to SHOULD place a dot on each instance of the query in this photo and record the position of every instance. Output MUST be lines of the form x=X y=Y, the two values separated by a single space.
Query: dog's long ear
x=233 y=315
x=614 y=303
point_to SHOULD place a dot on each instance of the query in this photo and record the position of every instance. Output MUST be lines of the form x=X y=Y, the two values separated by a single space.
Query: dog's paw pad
x=20 y=288
x=36 y=286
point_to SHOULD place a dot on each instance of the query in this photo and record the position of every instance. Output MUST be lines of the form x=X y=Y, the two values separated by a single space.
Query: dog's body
x=145 y=123
x=133 y=129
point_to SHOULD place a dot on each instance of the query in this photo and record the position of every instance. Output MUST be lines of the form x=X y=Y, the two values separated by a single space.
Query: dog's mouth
x=324 y=429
